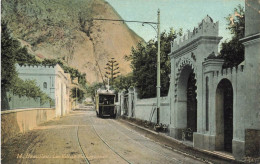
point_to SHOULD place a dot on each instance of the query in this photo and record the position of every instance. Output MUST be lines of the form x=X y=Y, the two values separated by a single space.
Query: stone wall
x=23 y=120
x=252 y=19
x=144 y=109
x=252 y=142
x=16 y=102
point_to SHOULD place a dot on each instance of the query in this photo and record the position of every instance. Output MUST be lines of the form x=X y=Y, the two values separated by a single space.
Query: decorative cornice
x=250 y=39
x=193 y=44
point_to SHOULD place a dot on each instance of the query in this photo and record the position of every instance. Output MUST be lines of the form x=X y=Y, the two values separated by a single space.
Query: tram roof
x=105 y=92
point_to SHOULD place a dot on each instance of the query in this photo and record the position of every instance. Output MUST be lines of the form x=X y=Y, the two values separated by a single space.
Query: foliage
x=9 y=47
x=29 y=88
x=233 y=51
x=123 y=82
x=143 y=62
x=78 y=94
x=112 y=70
x=91 y=89
x=23 y=57
x=12 y=53
x=52 y=62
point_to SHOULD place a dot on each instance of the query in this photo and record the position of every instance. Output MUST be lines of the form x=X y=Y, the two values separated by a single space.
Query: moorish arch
x=181 y=64
x=187 y=86
x=224 y=115
x=186 y=99
x=228 y=110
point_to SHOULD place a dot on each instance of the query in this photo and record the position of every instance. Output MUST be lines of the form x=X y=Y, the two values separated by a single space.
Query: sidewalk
x=185 y=147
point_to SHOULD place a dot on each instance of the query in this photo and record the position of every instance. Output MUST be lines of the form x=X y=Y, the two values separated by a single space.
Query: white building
x=53 y=81
x=223 y=112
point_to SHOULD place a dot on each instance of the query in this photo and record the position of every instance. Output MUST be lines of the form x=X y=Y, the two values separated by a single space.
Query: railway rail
x=169 y=158
x=83 y=153
x=122 y=132
x=110 y=147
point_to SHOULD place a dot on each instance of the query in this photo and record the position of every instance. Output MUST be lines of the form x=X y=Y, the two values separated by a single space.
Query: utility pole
x=157 y=29
x=158 y=87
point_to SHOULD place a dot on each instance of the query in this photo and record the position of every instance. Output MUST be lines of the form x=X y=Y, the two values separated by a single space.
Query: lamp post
x=157 y=29
x=158 y=87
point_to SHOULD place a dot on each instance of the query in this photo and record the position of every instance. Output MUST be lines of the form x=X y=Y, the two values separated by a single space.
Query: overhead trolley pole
x=156 y=27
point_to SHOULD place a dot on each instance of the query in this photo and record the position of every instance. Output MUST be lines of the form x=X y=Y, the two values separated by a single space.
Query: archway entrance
x=191 y=105
x=224 y=115
x=187 y=102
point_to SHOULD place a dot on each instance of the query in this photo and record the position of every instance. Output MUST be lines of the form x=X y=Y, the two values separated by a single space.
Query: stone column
x=206 y=138
x=122 y=95
x=118 y=105
x=130 y=99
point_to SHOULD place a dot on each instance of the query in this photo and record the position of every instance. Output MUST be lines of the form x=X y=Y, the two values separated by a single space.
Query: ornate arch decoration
x=180 y=65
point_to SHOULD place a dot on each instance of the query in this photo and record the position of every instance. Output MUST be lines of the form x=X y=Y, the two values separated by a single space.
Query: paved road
x=81 y=137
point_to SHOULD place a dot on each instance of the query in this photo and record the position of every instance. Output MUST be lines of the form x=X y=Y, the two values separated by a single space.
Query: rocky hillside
x=64 y=29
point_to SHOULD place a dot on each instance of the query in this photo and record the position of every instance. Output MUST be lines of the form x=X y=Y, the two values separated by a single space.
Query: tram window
x=106 y=99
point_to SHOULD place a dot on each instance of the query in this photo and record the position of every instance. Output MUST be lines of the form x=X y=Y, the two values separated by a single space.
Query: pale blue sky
x=175 y=13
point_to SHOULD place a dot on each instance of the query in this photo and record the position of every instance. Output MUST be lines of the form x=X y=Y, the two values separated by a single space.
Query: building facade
x=216 y=108
x=53 y=81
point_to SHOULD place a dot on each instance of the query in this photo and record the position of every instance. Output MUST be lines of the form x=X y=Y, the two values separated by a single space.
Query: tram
x=105 y=103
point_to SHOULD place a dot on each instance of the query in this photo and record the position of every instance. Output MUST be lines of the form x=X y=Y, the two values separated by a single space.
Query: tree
x=143 y=62
x=12 y=53
x=9 y=47
x=112 y=70
x=233 y=51
x=123 y=82
x=91 y=89
x=78 y=94
x=23 y=57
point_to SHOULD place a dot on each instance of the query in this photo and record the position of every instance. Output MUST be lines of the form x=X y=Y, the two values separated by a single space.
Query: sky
x=184 y=14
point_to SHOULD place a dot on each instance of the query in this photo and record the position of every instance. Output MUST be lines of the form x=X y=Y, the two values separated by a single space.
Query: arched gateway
x=216 y=108
x=187 y=73
x=224 y=115
x=187 y=101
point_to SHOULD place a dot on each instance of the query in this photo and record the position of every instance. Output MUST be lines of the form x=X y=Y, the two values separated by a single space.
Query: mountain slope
x=64 y=29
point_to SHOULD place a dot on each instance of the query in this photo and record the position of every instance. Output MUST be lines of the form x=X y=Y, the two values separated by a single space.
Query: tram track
x=81 y=149
x=169 y=158
x=104 y=137
x=110 y=147
x=167 y=147
x=83 y=138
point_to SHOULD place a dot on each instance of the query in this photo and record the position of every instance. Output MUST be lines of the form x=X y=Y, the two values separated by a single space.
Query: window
x=45 y=85
x=207 y=103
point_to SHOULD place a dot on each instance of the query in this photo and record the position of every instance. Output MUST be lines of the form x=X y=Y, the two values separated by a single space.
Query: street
x=81 y=137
